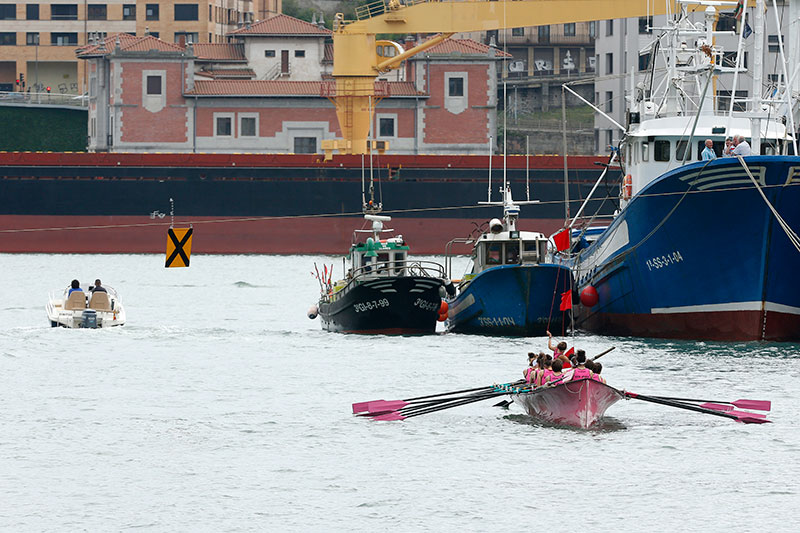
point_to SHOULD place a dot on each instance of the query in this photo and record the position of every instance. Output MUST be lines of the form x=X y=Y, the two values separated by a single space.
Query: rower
x=598 y=367
x=529 y=372
x=556 y=375
x=580 y=371
x=546 y=372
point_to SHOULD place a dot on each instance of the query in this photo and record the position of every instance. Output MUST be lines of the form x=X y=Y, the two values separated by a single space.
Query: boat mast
x=564 y=140
x=758 y=75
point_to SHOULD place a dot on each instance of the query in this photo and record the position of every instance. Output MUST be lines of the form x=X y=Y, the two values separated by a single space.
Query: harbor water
x=220 y=406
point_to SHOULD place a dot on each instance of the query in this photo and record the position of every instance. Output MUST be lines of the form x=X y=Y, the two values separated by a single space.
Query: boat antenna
x=489 y=198
x=527 y=167
x=505 y=99
x=372 y=207
x=564 y=140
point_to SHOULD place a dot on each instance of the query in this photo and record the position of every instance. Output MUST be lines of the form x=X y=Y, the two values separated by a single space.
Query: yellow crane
x=358 y=57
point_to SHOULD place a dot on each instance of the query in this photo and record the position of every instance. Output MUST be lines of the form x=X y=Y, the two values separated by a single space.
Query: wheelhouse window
x=64 y=12
x=399 y=263
x=384 y=264
x=494 y=254
x=661 y=151
x=680 y=151
x=718 y=147
x=645 y=152
x=153 y=85
x=186 y=12
x=512 y=253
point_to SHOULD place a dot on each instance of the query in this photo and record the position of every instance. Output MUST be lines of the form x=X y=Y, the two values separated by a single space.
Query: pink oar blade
x=389 y=417
x=753 y=420
x=746 y=413
x=758 y=405
x=717 y=406
x=382 y=406
x=362 y=406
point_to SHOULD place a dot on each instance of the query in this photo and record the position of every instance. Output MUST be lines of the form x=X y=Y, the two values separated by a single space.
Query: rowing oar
x=505 y=403
x=372 y=405
x=740 y=416
x=758 y=405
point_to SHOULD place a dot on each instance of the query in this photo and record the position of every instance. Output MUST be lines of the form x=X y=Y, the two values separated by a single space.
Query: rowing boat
x=580 y=403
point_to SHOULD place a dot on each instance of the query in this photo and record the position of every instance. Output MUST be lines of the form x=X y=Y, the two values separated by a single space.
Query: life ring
x=627 y=187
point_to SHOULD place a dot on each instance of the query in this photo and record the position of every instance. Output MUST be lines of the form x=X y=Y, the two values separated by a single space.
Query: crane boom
x=356 y=64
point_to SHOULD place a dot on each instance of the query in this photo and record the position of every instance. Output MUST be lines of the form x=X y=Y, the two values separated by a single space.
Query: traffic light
x=48 y=90
x=18 y=82
x=22 y=79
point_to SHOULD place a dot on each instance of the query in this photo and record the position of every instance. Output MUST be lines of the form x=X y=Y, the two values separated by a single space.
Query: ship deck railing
x=387 y=269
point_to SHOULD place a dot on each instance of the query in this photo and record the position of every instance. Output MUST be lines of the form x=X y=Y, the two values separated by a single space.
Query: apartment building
x=38 y=40
x=623 y=46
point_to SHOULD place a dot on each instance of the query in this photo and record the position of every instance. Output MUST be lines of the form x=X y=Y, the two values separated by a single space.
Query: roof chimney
x=314 y=18
x=321 y=22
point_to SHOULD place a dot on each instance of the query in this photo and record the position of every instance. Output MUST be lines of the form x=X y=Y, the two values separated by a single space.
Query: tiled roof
x=219 y=52
x=463 y=46
x=327 y=56
x=227 y=73
x=128 y=43
x=282 y=25
x=288 y=88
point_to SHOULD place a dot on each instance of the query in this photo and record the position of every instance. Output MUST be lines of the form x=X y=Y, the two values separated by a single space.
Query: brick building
x=146 y=94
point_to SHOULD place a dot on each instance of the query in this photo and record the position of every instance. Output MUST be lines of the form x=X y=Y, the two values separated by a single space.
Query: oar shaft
x=596 y=357
x=679 y=405
x=489 y=387
x=455 y=404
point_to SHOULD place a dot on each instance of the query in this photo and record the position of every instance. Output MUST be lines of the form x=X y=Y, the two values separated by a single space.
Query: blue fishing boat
x=509 y=288
x=700 y=249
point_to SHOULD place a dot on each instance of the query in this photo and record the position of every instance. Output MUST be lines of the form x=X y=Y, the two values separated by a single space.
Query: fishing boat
x=85 y=309
x=383 y=290
x=579 y=403
x=699 y=249
x=509 y=287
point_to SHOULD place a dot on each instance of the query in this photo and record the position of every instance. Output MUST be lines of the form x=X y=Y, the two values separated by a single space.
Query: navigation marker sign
x=179 y=247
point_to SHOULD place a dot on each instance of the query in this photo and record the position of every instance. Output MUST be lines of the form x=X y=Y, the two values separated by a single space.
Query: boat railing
x=448 y=252
x=386 y=269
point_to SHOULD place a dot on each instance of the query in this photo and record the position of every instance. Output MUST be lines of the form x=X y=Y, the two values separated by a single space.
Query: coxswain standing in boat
x=559 y=349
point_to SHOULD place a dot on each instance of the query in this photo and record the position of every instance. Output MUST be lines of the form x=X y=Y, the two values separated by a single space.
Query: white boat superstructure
x=85 y=309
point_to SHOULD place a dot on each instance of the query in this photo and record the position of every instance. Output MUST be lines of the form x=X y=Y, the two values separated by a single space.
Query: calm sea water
x=221 y=407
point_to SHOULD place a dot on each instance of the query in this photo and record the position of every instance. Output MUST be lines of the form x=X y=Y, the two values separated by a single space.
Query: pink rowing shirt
x=581 y=373
x=597 y=377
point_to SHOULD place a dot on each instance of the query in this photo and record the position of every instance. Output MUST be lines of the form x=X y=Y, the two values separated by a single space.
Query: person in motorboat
x=580 y=371
x=98 y=287
x=598 y=367
x=708 y=151
x=74 y=286
x=740 y=146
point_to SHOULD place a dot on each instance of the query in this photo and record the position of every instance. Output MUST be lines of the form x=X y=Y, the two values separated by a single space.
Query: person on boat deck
x=708 y=151
x=556 y=374
x=740 y=146
x=98 y=287
x=580 y=371
x=598 y=367
x=75 y=286
x=728 y=150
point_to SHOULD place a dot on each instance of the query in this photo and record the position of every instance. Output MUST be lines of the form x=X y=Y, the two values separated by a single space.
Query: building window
x=645 y=25
x=129 y=12
x=644 y=61
x=661 y=151
x=609 y=101
x=155 y=34
x=775 y=78
x=569 y=29
x=222 y=126
x=517 y=32
x=299 y=53
x=151 y=12
x=609 y=63
x=8 y=38
x=32 y=11
x=593 y=29
x=774 y=45
x=269 y=53
x=247 y=126
x=726 y=22
x=455 y=87
x=609 y=27
x=184 y=37
x=32 y=38
x=387 y=126
x=544 y=34
x=724 y=101
x=64 y=39
x=609 y=138
x=729 y=59
x=97 y=12
x=305 y=145
x=153 y=85
x=64 y=12
x=186 y=12
x=597 y=98
x=8 y=12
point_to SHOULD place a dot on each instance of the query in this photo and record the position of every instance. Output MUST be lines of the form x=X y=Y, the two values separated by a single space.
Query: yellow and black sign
x=179 y=247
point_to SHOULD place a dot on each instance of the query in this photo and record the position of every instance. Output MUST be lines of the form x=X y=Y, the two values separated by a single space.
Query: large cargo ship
x=268 y=203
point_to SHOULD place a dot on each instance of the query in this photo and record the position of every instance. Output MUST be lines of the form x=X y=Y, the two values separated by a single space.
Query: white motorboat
x=85 y=309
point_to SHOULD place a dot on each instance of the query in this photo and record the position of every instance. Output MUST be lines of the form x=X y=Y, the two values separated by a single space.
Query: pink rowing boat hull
x=580 y=403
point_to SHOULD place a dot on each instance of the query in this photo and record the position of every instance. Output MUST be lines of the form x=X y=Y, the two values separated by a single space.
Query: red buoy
x=589 y=296
x=443 y=307
x=442 y=317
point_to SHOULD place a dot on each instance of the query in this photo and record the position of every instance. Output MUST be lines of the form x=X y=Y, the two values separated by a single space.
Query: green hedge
x=40 y=129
